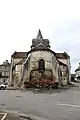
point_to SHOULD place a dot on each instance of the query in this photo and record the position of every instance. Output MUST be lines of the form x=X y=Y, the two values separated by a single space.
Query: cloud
x=67 y=38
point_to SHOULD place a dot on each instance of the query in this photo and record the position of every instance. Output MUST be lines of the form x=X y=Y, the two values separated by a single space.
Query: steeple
x=39 y=35
x=39 y=41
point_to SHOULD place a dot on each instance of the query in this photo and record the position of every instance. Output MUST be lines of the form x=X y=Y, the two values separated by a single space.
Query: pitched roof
x=39 y=39
x=41 y=48
x=39 y=35
x=19 y=54
x=5 y=63
x=62 y=55
x=61 y=63
x=78 y=68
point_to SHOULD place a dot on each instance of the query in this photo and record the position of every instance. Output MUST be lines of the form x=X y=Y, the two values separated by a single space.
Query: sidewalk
x=7 y=116
x=11 y=117
x=15 y=115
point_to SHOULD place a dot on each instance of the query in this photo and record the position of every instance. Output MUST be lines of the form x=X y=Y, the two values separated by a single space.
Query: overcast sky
x=59 y=21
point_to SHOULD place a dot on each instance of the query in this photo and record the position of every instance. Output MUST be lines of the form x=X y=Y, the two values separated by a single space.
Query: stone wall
x=51 y=65
x=65 y=75
x=12 y=76
x=67 y=62
x=18 y=72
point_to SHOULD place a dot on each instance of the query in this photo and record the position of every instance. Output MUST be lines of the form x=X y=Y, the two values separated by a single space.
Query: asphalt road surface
x=51 y=105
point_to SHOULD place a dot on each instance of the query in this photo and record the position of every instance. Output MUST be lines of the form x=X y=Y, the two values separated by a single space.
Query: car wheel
x=2 y=88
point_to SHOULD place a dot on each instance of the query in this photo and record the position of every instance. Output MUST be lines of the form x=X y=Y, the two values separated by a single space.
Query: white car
x=3 y=87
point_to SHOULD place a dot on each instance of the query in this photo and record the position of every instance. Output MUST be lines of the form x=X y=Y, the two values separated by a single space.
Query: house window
x=0 y=74
x=4 y=80
x=3 y=67
x=3 y=74
x=41 y=65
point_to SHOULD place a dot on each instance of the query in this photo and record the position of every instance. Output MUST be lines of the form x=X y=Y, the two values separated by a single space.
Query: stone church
x=40 y=65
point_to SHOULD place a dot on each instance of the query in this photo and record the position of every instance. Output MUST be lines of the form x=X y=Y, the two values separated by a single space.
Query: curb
x=30 y=117
x=13 y=89
x=23 y=115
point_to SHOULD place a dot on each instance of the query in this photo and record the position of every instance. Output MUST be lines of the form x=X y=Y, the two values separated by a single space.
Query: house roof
x=19 y=54
x=62 y=55
x=78 y=68
x=61 y=63
x=40 y=48
x=5 y=65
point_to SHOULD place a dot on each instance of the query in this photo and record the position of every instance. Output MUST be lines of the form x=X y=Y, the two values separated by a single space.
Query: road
x=51 y=105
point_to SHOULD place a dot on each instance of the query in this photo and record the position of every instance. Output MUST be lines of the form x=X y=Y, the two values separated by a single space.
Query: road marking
x=69 y=105
x=4 y=115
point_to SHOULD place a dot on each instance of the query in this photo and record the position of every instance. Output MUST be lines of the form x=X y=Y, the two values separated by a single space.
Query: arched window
x=41 y=65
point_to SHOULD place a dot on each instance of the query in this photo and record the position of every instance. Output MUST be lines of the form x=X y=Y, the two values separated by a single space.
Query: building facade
x=5 y=72
x=40 y=65
x=15 y=68
x=65 y=65
x=77 y=73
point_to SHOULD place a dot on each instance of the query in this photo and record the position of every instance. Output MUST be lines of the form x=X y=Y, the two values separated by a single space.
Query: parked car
x=3 y=87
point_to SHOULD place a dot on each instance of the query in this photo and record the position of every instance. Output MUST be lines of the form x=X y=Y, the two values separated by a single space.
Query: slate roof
x=62 y=55
x=40 y=48
x=61 y=63
x=5 y=64
x=19 y=54
x=77 y=69
x=39 y=35
x=39 y=39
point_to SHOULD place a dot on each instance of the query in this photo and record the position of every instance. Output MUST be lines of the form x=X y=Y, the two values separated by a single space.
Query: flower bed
x=39 y=83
